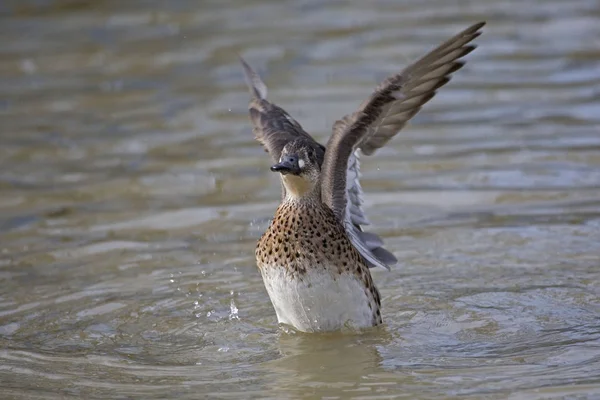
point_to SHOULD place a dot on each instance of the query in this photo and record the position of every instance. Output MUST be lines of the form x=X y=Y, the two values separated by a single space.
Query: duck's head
x=299 y=169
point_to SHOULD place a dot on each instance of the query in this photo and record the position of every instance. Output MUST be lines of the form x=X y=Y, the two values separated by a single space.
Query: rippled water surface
x=132 y=194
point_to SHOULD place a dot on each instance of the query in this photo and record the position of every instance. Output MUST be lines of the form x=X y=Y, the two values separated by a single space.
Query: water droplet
x=233 y=314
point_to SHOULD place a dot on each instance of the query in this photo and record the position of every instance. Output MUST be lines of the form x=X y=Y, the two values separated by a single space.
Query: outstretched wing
x=379 y=118
x=272 y=126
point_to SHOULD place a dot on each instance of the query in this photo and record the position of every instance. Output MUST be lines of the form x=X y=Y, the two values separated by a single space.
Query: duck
x=315 y=257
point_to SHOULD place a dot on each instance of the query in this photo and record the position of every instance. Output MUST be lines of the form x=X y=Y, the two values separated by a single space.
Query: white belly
x=318 y=302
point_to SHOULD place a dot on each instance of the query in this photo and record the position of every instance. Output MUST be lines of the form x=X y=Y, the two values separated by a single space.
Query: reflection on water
x=132 y=193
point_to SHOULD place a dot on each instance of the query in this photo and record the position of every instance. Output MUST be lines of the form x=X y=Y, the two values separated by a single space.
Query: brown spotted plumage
x=307 y=235
x=315 y=256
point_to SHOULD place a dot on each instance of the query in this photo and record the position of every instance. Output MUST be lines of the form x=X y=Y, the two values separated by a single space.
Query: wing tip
x=474 y=29
x=256 y=86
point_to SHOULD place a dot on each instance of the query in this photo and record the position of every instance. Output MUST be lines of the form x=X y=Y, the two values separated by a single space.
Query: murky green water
x=132 y=194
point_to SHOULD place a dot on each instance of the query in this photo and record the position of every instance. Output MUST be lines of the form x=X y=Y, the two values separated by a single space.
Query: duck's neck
x=300 y=190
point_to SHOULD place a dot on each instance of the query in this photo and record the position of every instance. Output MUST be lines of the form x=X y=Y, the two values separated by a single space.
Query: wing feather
x=381 y=117
x=273 y=127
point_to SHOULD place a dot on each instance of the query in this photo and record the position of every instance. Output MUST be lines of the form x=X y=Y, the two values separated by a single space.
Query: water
x=132 y=194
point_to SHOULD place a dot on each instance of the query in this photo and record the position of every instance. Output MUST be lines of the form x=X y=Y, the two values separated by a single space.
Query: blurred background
x=132 y=194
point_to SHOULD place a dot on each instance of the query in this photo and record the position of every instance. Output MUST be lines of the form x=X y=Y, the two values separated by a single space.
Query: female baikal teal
x=315 y=256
